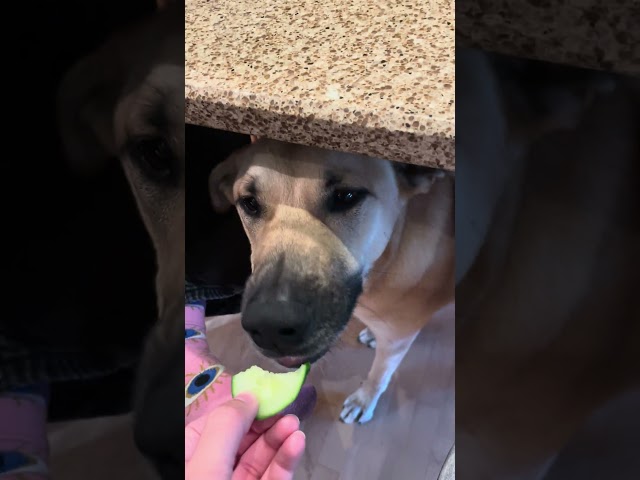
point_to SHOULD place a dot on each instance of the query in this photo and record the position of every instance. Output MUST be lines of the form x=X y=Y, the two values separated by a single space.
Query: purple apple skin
x=303 y=405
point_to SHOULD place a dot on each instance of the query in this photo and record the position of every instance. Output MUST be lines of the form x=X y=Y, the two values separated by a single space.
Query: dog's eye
x=342 y=200
x=250 y=205
x=153 y=155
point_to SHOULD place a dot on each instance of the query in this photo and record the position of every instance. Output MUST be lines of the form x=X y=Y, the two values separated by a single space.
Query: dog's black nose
x=274 y=326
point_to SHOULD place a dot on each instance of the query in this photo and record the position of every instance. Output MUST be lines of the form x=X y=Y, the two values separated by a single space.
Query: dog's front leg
x=360 y=406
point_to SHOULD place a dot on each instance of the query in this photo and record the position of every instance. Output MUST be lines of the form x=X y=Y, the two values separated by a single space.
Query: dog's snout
x=274 y=325
x=295 y=304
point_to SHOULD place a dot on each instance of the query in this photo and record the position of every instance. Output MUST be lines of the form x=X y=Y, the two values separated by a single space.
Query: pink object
x=23 y=436
x=208 y=383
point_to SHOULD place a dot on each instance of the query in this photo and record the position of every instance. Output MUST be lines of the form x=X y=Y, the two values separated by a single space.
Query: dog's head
x=126 y=102
x=539 y=98
x=317 y=221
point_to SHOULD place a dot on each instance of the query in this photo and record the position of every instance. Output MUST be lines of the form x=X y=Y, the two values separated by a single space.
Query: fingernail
x=293 y=416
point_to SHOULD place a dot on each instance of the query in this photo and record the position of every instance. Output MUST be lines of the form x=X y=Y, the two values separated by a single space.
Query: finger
x=192 y=434
x=257 y=429
x=216 y=451
x=259 y=456
x=287 y=458
x=261 y=426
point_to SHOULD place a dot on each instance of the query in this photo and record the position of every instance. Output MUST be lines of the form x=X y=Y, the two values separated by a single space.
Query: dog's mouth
x=295 y=361
x=292 y=362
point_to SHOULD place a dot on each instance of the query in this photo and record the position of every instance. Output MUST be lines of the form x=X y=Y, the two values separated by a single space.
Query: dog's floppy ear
x=415 y=179
x=543 y=97
x=86 y=102
x=221 y=182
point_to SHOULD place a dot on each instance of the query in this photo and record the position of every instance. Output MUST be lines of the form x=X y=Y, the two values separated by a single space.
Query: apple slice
x=274 y=391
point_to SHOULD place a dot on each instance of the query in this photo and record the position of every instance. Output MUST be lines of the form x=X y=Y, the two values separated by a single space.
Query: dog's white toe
x=358 y=407
x=367 y=338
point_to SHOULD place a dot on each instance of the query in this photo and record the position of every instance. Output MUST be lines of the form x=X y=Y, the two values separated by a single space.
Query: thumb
x=215 y=454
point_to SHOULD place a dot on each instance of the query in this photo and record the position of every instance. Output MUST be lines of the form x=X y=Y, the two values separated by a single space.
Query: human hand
x=228 y=445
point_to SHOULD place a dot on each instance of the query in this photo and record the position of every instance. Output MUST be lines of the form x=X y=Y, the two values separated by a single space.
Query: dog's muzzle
x=294 y=314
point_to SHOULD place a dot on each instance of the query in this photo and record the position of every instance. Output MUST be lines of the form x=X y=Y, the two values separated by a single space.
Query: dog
x=333 y=236
x=126 y=101
x=546 y=316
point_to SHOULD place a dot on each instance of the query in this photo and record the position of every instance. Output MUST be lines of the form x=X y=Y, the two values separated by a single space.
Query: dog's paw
x=359 y=407
x=367 y=338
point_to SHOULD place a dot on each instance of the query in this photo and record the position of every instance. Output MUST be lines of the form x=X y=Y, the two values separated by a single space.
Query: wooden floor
x=408 y=439
x=96 y=449
x=413 y=429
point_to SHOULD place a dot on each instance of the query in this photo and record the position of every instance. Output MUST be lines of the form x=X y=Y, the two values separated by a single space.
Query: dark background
x=77 y=265
x=593 y=357
x=76 y=257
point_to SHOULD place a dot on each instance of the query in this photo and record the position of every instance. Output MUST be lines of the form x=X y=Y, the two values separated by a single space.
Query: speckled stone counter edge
x=407 y=147
x=595 y=35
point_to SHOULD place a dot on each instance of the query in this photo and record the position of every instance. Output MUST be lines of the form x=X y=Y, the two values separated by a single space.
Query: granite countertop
x=597 y=34
x=366 y=76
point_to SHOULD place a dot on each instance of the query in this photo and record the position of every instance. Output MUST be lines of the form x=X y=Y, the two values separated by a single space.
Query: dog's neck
x=426 y=219
x=382 y=266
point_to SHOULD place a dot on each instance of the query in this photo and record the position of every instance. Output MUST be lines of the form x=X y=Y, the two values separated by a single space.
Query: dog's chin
x=295 y=361
x=292 y=362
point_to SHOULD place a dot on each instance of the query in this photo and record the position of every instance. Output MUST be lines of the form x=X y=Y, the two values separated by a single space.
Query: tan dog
x=126 y=101
x=335 y=235
x=547 y=311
